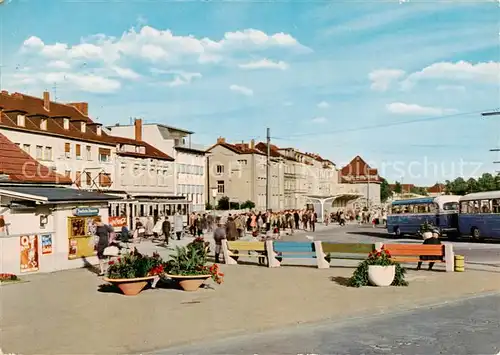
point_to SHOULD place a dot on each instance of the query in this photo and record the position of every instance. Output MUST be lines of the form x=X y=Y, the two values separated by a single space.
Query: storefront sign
x=118 y=222
x=86 y=211
x=47 y=244
x=29 y=253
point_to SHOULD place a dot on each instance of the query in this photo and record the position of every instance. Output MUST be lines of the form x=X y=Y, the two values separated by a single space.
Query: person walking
x=178 y=225
x=165 y=227
x=102 y=232
x=231 y=231
x=219 y=236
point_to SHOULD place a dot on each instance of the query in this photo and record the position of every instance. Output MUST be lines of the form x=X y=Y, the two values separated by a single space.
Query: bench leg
x=320 y=256
x=449 y=258
x=225 y=252
x=271 y=255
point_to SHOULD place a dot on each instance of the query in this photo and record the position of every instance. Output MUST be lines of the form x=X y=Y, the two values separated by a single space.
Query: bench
x=348 y=251
x=232 y=251
x=411 y=253
x=297 y=250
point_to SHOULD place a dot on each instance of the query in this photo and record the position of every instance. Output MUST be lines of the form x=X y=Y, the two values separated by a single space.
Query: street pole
x=268 y=169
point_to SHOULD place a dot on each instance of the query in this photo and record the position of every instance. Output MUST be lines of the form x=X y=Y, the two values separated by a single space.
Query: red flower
x=111 y=262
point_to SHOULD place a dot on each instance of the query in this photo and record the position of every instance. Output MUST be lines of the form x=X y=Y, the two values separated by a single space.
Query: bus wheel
x=397 y=231
x=476 y=234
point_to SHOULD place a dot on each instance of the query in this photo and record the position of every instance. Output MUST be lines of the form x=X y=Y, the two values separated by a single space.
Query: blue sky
x=400 y=84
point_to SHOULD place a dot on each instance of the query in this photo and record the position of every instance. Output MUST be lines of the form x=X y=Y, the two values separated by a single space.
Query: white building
x=189 y=170
x=64 y=138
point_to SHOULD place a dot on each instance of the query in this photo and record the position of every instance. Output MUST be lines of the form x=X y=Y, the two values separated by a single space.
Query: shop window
x=104 y=179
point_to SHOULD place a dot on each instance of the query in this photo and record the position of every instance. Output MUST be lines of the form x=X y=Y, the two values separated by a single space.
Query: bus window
x=450 y=206
x=485 y=206
x=495 y=206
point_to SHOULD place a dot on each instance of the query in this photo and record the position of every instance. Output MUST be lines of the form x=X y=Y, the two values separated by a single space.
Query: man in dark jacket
x=231 y=231
x=434 y=240
x=219 y=236
x=165 y=227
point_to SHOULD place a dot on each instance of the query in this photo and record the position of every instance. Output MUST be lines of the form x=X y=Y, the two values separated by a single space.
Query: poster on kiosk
x=82 y=236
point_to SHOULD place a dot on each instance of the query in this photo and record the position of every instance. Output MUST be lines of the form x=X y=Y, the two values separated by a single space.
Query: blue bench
x=297 y=250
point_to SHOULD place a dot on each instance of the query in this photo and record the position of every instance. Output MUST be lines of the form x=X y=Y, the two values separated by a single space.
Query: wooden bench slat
x=246 y=246
x=415 y=260
x=347 y=248
x=297 y=256
x=414 y=250
x=294 y=247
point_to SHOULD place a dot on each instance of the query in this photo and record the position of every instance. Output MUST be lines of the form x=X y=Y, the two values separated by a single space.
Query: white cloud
x=265 y=64
x=323 y=104
x=288 y=103
x=183 y=78
x=483 y=72
x=401 y=108
x=319 y=120
x=241 y=90
x=383 y=78
x=154 y=45
x=59 y=64
x=125 y=73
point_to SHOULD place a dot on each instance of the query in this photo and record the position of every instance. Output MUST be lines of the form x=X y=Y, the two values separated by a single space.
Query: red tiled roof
x=21 y=167
x=238 y=148
x=34 y=109
x=273 y=151
x=358 y=171
x=437 y=188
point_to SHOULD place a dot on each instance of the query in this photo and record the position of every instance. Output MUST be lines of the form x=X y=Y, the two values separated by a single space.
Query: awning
x=51 y=195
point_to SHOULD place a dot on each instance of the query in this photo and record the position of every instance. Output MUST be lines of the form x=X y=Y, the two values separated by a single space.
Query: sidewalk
x=64 y=313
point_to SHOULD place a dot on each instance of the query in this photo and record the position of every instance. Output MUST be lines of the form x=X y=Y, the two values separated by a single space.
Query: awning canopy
x=52 y=195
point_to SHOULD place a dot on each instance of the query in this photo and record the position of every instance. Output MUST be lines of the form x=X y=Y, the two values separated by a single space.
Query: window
x=450 y=206
x=78 y=179
x=43 y=124
x=89 y=152
x=67 y=173
x=242 y=162
x=66 y=123
x=88 y=178
x=39 y=152
x=67 y=149
x=27 y=148
x=78 y=150
x=105 y=179
x=220 y=169
x=104 y=154
x=47 y=153
x=220 y=186
x=21 y=120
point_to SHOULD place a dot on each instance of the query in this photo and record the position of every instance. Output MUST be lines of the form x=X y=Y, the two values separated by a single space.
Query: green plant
x=8 y=277
x=382 y=258
x=426 y=227
x=135 y=265
x=191 y=261
x=199 y=243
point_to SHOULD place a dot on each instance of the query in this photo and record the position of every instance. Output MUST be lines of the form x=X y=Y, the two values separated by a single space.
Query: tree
x=472 y=185
x=486 y=182
x=223 y=203
x=208 y=206
x=385 y=191
x=234 y=205
x=398 y=188
x=419 y=191
x=248 y=205
x=457 y=187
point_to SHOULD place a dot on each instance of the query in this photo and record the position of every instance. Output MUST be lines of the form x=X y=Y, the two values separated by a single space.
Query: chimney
x=252 y=144
x=221 y=140
x=46 y=100
x=138 y=129
x=83 y=107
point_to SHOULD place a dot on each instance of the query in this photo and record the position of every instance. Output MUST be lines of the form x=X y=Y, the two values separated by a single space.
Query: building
x=65 y=139
x=45 y=225
x=436 y=190
x=238 y=171
x=297 y=180
x=364 y=179
x=188 y=171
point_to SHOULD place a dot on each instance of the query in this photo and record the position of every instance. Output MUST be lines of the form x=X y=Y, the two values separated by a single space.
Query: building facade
x=365 y=180
x=187 y=176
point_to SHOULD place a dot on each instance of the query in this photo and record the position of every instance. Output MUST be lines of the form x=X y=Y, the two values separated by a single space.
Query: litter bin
x=459 y=263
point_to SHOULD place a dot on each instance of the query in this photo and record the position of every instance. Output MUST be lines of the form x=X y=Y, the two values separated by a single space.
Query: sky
x=400 y=83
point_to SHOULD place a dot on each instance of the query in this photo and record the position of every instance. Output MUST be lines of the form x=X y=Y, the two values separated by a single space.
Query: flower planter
x=381 y=275
x=130 y=287
x=190 y=282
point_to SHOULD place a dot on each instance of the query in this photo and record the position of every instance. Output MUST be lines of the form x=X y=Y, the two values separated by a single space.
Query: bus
x=479 y=215
x=406 y=216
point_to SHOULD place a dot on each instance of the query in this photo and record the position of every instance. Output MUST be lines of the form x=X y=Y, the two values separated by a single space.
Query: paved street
x=469 y=326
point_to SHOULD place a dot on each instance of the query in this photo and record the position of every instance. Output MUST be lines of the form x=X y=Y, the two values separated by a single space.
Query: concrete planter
x=381 y=275
x=190 y=282
x=131 y=287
